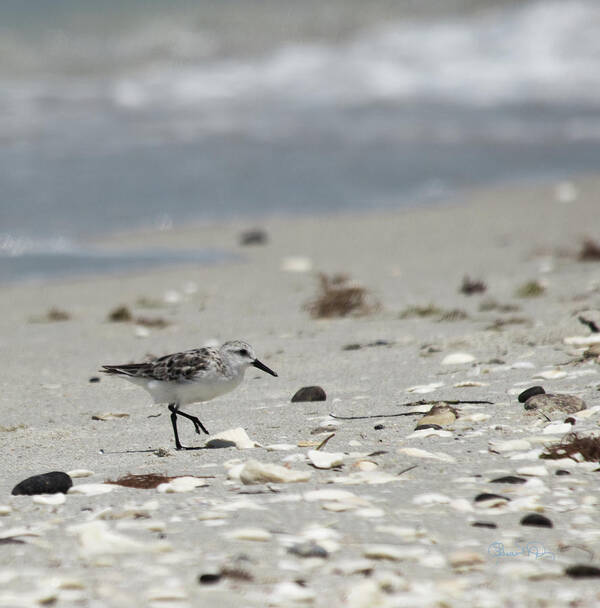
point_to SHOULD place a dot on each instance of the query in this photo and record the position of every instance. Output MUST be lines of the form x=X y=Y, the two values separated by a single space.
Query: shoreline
x=412 y=530
x=130 y=244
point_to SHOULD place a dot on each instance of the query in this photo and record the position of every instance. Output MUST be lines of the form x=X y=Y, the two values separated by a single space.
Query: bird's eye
x=243 y=352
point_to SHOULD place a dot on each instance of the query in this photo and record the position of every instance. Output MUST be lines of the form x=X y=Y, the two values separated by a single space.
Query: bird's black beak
x=262 y=366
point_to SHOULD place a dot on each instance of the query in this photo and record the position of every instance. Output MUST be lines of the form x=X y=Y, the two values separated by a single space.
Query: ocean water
x=138 y=113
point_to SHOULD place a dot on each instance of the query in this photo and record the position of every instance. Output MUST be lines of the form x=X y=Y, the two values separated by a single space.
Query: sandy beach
x=391 y=521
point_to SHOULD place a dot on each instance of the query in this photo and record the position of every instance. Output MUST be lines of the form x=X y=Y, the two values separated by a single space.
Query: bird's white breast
x=188 y=392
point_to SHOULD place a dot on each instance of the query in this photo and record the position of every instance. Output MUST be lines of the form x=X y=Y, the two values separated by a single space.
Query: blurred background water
x=116 y=115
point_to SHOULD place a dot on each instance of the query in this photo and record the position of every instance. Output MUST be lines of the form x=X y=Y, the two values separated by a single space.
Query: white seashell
x=237 y=436
x=255 y=534
x=476 y=417
x=423 y=433
x=458 y=359
x=365 y=465
x=190 y=288
x=522 y=365
x=369 y=513
x=181 y=484
x=582 y=340
x=325 y=460
x=462 y=505
x=96 y=538
x=75 y=473
x=172 y=297
x=259 y=472
x=512 y=445
x=291 y=594
x=417 y=453
x=92 y=489
x=550 y=374
x=566 y=192
x=431 y=499
x=421 y=389
x=141 y=332
x=367 y=594
x=329 y=495
x=530 y=455
x=296 y=263
x=283 y=447
x=5 y=510
x=49 y=499
x=557 y=428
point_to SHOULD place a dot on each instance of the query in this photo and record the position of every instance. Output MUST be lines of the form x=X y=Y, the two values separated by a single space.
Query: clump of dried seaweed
x=576 y=447
x=531 y=289
x=142 y=482
x=337 y=297
x=470 y=286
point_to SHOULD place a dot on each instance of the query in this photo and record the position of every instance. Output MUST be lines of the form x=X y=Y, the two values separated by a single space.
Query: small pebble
x=484 y=496
x=379 y=427
x=309 y=393
x=47 y=483
x=508 y=479
x=582 y=571
x=530 y=392
x=254 y=236
x=94 y=379
x=458 y=359
x=308 y=549
x=537 y=520
x=209 y=578
x=484 y=524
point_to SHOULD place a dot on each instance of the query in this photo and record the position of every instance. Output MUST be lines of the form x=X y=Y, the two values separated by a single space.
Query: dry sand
x=393 y=537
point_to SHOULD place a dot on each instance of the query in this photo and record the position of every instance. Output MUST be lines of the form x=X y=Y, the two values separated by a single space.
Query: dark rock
x=582 y=571
x=487 y=496
x=48 y=483
x=537 y=520
x=216 y=444
x=255 y=236
x=309 y=393
x=352 y=347
x=379 y=427
x=530 y=392
x=562 y=472
x=308 y=549
x=484 y=524
x=422 y=427
x=94 y=379
x=508 y=479
x=209 y=578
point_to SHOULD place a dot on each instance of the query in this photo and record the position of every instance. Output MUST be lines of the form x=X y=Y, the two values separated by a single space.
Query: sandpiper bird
x=190 y=376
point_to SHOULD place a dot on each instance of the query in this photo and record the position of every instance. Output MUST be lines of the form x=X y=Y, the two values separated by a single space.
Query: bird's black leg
x=174 y=409
x=197 y=424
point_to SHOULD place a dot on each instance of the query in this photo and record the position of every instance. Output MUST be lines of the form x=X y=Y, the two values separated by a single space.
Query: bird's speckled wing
x=177 y=367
